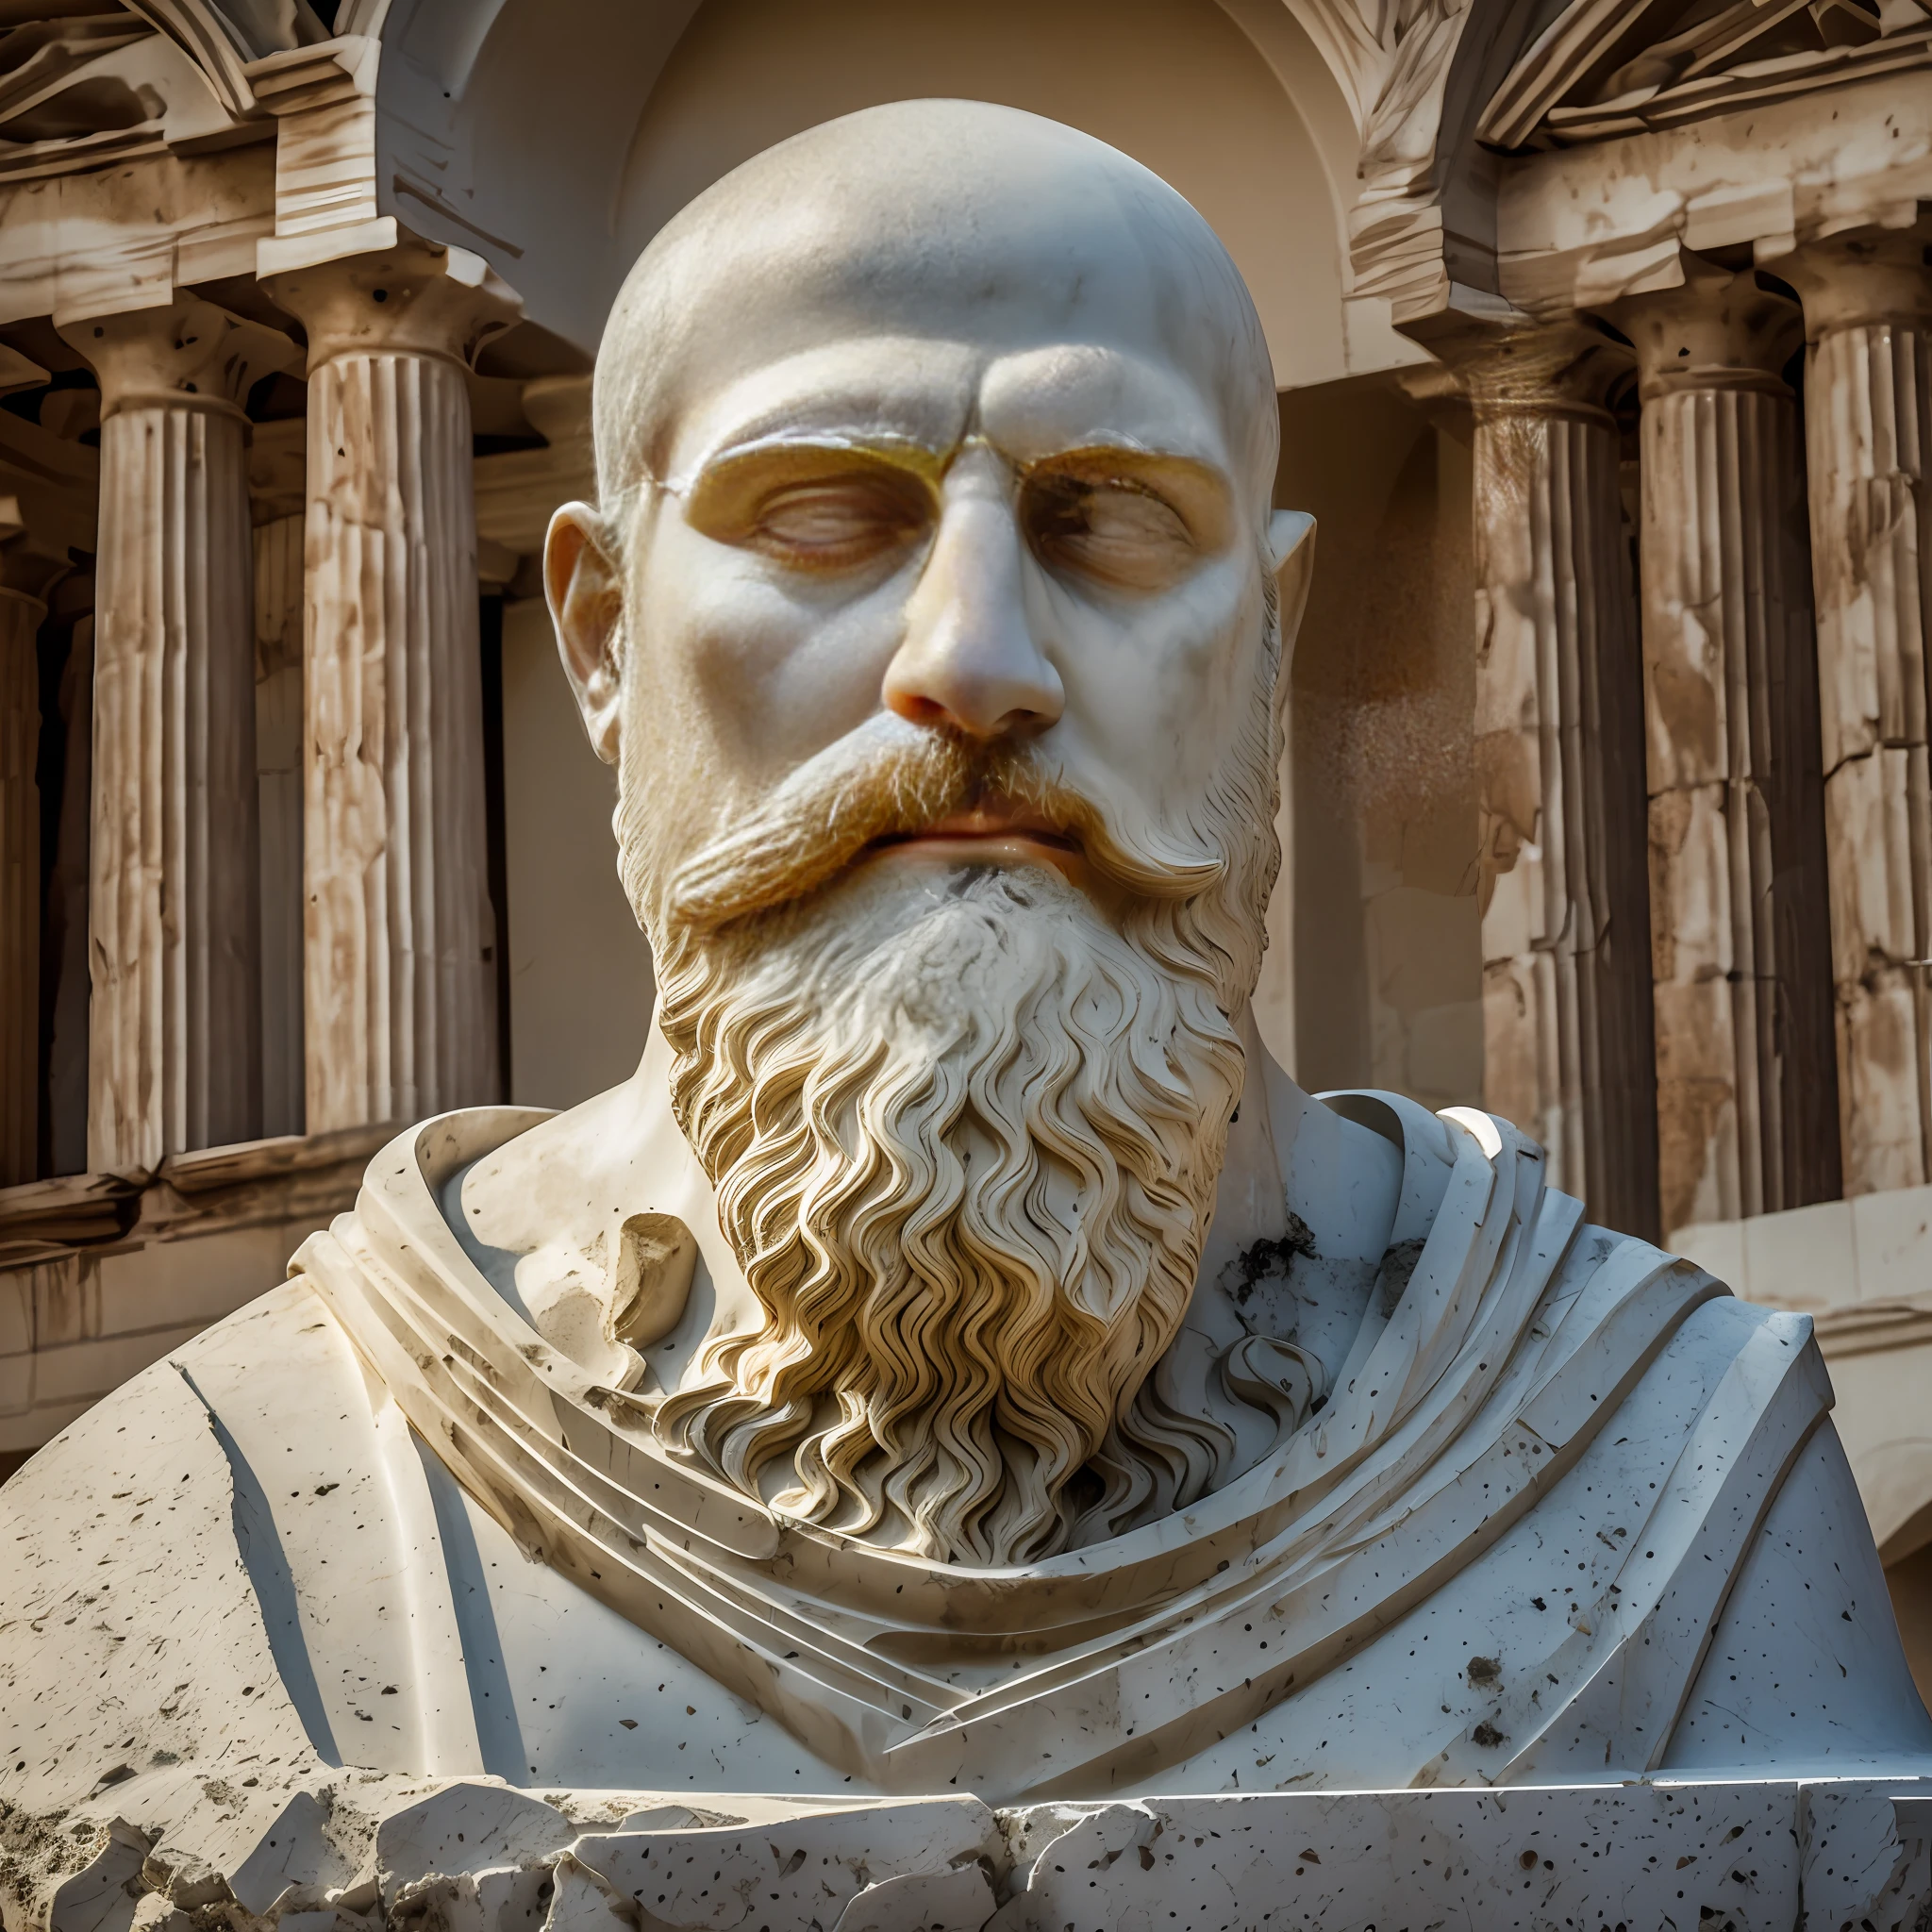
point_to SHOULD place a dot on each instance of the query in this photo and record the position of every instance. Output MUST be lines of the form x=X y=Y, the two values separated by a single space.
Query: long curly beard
x=965 y=1134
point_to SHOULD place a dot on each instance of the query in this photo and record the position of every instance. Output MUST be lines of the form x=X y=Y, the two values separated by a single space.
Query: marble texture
x=399 y=981
x=322 y=96
x=203 y=1785
x=1566 y=1024
x=175 y=1021
x=1655 y=1854
x=1869 y=427
x=1862 y=1269
x=1718 y=63
x=1279 y=1653
x=1745 y=1062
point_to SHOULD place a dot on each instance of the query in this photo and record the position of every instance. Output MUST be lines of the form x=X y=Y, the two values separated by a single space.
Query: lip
x=994 y=837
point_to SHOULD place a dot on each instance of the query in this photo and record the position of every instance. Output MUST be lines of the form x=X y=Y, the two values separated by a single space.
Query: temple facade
x=1600 y=331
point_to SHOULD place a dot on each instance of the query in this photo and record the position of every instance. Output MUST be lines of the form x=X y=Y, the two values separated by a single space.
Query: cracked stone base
x=364 y=1851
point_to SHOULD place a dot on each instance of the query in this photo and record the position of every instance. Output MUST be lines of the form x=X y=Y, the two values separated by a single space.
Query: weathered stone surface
x=800 y=1870
x=432 y=1835
x=955 y=1901
x=1566 y=1013
x=295 y=1853
x=1776 y=1855
x=1869 y=427
x=471 y=1857
x=1760 y=1857
x=399 y=985
x=1780 y=1855
x=102 y=1895
x=1746 y=1065
x=174 y=1023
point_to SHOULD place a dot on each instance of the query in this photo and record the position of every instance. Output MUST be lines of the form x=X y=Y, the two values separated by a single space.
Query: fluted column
x=1746 y=1079
x=173 y=1051
x=1566 y=994
x=20 y=886
x=399 y=987
x=1868 y=410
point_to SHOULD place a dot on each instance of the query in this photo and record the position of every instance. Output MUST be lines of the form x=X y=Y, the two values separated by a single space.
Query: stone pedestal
x=1868 y=408
x=20 y=886
x=174 y=1032
x=1746 y=1112
x=399 y=986
x=1560 y=760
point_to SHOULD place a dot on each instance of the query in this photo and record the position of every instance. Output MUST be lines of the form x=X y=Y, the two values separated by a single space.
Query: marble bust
x=959 y=1360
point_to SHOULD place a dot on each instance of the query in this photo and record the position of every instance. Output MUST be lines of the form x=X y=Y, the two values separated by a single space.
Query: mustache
x=894 y=780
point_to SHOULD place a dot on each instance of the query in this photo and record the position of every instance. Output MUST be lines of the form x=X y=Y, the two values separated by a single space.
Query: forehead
x=1029 y=402
x=1077 y=299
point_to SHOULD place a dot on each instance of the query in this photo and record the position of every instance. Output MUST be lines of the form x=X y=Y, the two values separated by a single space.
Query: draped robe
x=1569 y=1512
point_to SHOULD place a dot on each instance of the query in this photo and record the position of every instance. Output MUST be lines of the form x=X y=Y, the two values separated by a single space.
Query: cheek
x=1153 y=688
x=764 y=667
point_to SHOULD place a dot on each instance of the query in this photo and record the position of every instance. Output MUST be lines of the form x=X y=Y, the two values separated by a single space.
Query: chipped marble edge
x=348 y=1851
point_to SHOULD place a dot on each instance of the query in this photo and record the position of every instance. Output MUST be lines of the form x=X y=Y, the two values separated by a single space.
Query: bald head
x=938 y=426
x=977 y=230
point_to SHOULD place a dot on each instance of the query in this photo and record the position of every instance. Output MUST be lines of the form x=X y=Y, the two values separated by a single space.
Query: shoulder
x=131 y=1636
x=1803 y=1666
x=1806 y=1667
x=147 y=1422
x=1699 y=1361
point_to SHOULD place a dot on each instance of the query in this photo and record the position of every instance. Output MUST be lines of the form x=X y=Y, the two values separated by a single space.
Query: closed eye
x=1127 y=523
x=836 y=522
x=1116 y=533
x=812 y=508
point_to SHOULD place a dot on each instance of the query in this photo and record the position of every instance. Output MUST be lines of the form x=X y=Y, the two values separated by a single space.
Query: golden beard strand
x=968 y=1164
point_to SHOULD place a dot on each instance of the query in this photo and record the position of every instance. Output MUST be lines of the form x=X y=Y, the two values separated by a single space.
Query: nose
x=969 y=661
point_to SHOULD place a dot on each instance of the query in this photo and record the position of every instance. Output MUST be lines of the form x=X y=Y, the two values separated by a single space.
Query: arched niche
x=555 y=137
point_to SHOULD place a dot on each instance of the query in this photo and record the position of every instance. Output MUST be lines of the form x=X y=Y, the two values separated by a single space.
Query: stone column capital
x=1861 y=276
x=417 y=298
x=1563 y=369
x=184 y=354
x=1715 y=331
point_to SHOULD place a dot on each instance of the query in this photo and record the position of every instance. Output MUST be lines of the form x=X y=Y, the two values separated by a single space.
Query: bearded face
x=965 y=1128
x=929 y=615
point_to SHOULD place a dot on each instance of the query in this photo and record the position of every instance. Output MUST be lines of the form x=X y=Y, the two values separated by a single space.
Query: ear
x=1291 y=550
x=582 y=586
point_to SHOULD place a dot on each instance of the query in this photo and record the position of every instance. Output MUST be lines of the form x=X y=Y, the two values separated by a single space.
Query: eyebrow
x=909 y=453
x=905 y=451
